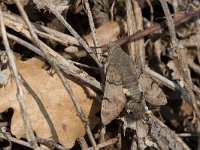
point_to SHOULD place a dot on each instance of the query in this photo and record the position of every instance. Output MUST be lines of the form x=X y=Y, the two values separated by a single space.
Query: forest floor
x=100 y=74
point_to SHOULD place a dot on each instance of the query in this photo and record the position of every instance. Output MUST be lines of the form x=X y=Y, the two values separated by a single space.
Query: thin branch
x=44 y=49
x=73 y=32
x=194 y=66
x=179 y=18
x=51 y=144
x=151 y=10
x=112 y=11
x=78 y=108
x=14 y=140
x=83 y=65
x=174 y=135
x=168 y=83
x=171 y=27
x=189 y=87
x=20 y=96
x=65 y=65
x=92 y=27
x=16 y=23
x=181 y=63
x=139 y=24
x=82 y=142
x=132 y=28
x=107 y=143
x=7 y=136
x=186 y=135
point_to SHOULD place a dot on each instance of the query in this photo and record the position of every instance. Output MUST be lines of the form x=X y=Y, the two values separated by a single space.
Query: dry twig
x=172 y=85
x=82 y=143
x=107 y=143
x=72 y=31
x=132 y=28
x=92 y=27
x=16 y=23
x=181 y=17
x=171 y=27
x=65 y=65
x=44 y=49
x=175 y=136
x=151 y=10
x=78 y=108
x=139 y=24
x=7 y=136
x=182 y=64
x=20 y=95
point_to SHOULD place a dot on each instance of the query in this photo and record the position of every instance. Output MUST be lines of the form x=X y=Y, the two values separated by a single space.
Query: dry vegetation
x=100 y=74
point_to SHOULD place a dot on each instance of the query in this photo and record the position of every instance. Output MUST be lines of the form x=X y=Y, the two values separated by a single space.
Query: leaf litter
x=138 y=109
x=50 y=108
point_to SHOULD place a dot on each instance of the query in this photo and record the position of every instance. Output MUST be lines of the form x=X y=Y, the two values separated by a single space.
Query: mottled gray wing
x=114 y=99
x=152 y=92
x=129 y=72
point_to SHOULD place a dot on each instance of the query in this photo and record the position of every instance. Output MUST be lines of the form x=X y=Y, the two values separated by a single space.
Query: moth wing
x=114 y=99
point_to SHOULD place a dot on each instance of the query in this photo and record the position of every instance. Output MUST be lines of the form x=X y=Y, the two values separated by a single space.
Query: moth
x=122 y=89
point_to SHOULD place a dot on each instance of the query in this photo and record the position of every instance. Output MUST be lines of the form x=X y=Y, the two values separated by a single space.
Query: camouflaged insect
x=121 y=85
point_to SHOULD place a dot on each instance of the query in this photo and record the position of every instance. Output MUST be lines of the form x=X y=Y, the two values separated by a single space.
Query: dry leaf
x=108 y=32
x=50 y=108
x=104 y=34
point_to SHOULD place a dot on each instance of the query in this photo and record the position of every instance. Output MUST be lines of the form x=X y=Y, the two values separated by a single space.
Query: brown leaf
x=108 y=32
x=50 y=108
